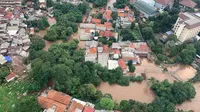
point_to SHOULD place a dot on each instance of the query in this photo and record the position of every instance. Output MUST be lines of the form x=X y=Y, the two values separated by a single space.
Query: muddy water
x=136 y=91
x=49 y=44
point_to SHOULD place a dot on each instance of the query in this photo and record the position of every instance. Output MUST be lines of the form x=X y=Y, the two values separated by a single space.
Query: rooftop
x=143 y=6
x=190 y=19
x=188 y=3
x=59 y=97
x=163 y=2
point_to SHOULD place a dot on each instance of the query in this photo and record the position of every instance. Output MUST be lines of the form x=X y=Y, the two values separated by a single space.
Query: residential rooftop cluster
x=54 y=101
x=14 y=40
x=117 y=55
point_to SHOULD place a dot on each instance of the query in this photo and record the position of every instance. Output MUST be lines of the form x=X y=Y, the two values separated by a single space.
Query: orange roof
x=74 y=106
x=88 y=109
x=122 y=64
x=131 y=46
x=107 y=14
x=100 y=25
x=96 y=21
x=101 y=33
x=93 y=50
x=122 y=14
x=108 y=33
x=48 y=103
x=131 y=19
x=10 y=76
x=108 y=24
x=59 y=97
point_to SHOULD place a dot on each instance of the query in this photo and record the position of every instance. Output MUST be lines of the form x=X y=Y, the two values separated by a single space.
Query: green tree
x=40 y=25
x=127 y=35
x=148 y=33
x=114 y=15
x=132 y=25
x=51 y=35
x=88 y=91
x=69 y=31
x=37 y=43
x=107 y=103
x=161 y=105
x=49 y=3
x=45 y=22
x=125 y=106
x=83 y=7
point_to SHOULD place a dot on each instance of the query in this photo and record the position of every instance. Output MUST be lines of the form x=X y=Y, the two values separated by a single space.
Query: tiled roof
x=59 y=97
x=75 y=106
x=96 y=21
x=108 y=33
x=122 y=64
x=48 y=103
x=10 y=76
x=107 y=14
x=108 y=24
x=93 y=50
x=88 y=109
x=122 y=14
x=188 y=3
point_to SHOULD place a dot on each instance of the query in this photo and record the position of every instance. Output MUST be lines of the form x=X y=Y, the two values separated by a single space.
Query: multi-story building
x=187 y=26
x=7 y=3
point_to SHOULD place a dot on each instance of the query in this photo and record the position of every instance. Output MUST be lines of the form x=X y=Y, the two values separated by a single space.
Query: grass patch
x=10 y=94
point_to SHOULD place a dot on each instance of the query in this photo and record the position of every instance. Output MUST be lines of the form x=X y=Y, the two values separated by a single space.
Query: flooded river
x=136 y=91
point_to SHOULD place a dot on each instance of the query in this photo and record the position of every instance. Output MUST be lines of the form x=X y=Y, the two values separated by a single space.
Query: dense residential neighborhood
x=99 y=55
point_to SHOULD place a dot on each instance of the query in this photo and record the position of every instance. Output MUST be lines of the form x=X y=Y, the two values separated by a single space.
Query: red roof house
x=11 y=77
x=122 y=64
x=188 y=3
x=96 y=21
x=88 y=109
x=107 y=15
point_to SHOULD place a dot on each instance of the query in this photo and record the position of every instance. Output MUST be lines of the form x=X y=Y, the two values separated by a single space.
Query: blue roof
x=8 y=58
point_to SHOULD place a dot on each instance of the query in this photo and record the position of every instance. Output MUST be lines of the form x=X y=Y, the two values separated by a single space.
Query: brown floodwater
x=136 y=91
x=49 y=44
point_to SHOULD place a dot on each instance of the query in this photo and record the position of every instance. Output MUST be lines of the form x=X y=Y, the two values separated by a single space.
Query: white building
x=187 y=26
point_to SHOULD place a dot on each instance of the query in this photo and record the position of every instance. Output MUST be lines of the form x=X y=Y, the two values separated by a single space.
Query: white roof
x=103 y=59
x=2 y=59
x=112 y=64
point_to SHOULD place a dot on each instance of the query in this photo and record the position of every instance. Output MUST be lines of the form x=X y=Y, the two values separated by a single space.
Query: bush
x=107 y=103
x=124 y=81
x=136 y=79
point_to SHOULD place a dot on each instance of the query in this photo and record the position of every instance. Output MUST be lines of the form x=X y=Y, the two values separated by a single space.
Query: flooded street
x=136 y=91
